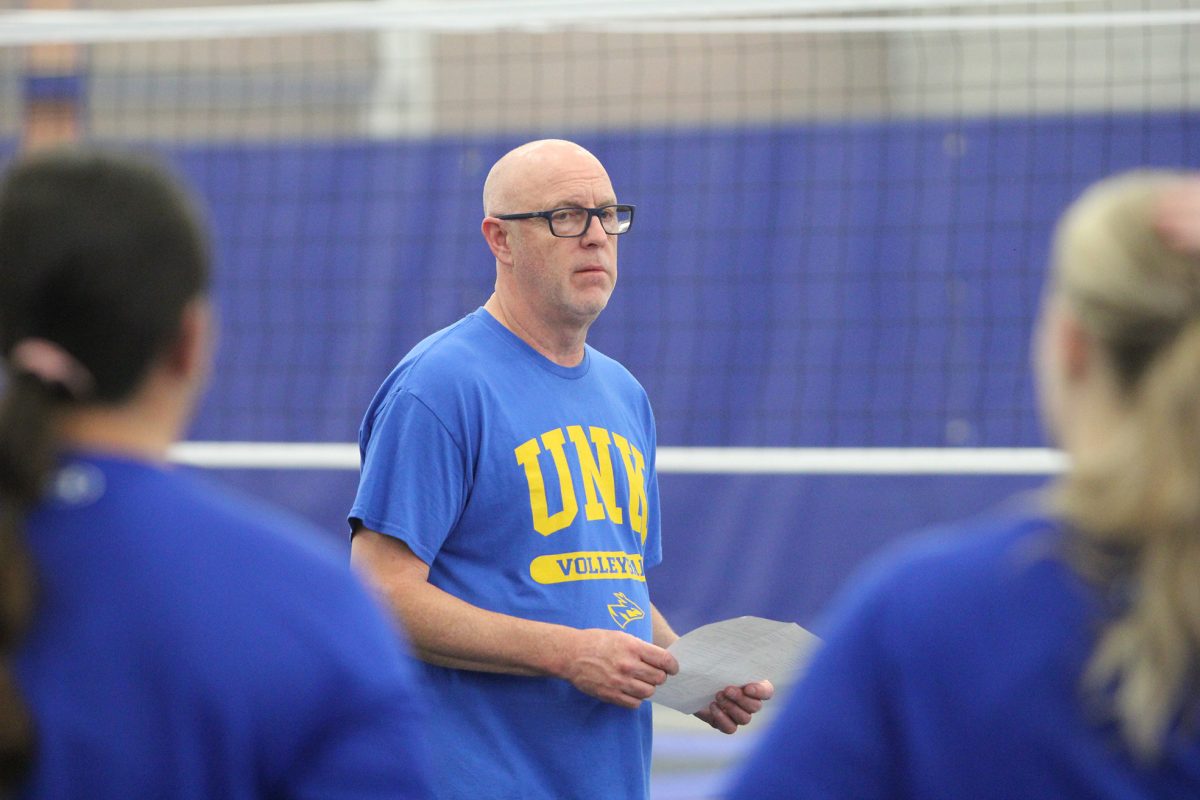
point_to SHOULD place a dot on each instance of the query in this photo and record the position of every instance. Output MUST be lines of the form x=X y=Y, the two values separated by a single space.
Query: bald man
x=508 y=510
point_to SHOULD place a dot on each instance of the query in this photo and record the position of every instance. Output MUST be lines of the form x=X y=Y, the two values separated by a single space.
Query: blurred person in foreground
x=508 y=510
x=1052 y=650
x=159 y=637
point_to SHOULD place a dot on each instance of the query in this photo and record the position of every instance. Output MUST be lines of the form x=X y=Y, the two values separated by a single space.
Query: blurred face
x=564 y=281
x=1049 y=368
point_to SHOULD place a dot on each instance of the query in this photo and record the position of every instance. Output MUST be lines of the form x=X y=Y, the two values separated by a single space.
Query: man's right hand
x=614 y=666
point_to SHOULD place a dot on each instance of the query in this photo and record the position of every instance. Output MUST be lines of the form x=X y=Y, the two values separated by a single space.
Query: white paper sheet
x=733 y=652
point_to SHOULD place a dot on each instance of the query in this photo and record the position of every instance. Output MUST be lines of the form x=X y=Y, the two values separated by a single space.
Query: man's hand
x=616 y=667
x=735 y=705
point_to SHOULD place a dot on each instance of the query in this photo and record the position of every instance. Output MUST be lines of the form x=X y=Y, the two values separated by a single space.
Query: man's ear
x=191 y=354
x=497 y=238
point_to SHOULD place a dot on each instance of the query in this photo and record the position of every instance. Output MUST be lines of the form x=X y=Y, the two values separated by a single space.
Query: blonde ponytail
x=1140 y=503
x=1135 y=505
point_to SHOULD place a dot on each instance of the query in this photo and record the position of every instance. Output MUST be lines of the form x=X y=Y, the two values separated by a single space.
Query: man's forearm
x=450 y=632
x=664 y=635
x=445 y=630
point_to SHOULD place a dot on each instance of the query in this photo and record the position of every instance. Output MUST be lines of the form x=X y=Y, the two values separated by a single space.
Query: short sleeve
x=652 y=554
x=834 y=736
x=414 y=479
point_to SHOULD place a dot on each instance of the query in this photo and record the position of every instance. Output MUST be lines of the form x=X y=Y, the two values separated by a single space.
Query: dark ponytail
x=26 y=457
x=99 y=255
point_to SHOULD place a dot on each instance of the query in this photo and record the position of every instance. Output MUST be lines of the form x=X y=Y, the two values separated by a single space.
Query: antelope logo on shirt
x=625 y=611
x=592 y=453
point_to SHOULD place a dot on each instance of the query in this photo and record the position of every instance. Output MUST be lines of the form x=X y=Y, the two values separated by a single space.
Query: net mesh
x=842 y=217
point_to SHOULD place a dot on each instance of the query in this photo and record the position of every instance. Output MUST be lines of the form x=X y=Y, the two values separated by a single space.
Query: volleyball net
x=844 y=208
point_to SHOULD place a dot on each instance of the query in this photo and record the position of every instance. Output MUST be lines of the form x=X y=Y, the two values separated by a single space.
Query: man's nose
x=595 y=233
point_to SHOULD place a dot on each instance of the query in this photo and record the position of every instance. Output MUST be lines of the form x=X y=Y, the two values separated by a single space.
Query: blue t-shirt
x=530 y=490
x=187 y=644
x=952 y=669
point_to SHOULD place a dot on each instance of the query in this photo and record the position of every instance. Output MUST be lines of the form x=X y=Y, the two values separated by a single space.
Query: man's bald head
x=515 y=179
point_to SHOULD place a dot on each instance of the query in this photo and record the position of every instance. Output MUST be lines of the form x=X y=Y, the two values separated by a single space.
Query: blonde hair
x=1136 y=504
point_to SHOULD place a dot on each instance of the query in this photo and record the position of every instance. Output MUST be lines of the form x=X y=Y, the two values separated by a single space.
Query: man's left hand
x=735 y=705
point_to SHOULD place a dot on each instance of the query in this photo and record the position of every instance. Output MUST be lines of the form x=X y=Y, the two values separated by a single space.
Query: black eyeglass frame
x=591 y=212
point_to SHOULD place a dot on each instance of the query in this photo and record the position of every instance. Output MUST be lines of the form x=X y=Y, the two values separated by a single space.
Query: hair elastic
x=51 y=364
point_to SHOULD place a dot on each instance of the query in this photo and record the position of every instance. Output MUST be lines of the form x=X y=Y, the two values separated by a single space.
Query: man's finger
x=620 y=698
x=720 y=720
x=626 y=701
x=734 y=695
x=639 y=689
x=732 y=710
x=658 y=657
x=654 y=677
x=741 y=702
x=762 y=690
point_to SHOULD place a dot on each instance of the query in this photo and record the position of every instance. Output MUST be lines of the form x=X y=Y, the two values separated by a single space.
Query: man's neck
x=563 y=344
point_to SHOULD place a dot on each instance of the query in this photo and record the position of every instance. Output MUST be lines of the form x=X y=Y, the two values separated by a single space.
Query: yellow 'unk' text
x=594 y=460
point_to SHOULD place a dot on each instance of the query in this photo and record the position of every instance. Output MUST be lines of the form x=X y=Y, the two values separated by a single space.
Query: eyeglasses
x=571 y=222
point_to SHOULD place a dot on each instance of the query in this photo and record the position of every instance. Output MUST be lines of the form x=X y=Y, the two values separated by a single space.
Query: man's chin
x=591 y=301
x=586 y=312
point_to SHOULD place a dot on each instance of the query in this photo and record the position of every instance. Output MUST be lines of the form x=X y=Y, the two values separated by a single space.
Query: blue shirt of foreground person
x=1049 y=652
x=160 y=638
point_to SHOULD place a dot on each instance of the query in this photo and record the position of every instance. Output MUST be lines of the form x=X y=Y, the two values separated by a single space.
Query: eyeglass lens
x=571 y=221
